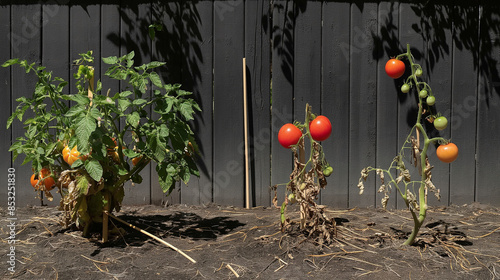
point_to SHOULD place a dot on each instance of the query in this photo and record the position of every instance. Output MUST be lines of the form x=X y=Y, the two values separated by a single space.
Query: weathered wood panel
x=387 y=46
x=257 y=54
x=282 y=89
x=335 y=100
x=363 y=101
x=464 y=104
x=229 y=49
x=197 y=77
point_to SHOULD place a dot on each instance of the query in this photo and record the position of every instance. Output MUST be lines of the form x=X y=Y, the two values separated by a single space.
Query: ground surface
x=455 y=243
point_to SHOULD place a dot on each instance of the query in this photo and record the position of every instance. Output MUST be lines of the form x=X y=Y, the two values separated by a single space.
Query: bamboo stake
x=245 y=117
x=151 y=235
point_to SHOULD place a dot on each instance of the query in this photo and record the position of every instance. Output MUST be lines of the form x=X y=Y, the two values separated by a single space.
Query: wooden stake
x=151 y=235
x=245 y=118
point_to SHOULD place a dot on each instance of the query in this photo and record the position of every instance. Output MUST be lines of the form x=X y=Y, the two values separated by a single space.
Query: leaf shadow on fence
x=282 y=33
x=473 y=27
x=178 y=44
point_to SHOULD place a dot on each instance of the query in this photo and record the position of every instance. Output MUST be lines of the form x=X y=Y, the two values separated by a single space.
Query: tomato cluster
x=395 y=68
x=320 y=129
x=44 y=175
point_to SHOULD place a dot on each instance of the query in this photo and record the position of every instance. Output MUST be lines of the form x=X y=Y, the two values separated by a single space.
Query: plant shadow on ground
x=184 y=225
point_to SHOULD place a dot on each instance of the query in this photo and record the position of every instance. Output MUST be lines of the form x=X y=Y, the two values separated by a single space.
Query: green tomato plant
x=112 y=134
x=308 y=177
x=415 y=199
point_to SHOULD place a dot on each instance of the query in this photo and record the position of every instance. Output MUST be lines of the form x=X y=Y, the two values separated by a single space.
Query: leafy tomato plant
x=92 y=141
x=415 y=199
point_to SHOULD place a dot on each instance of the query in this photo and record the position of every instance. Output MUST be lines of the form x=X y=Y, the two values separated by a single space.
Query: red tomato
x=320 y=128
x=395 y=68
x=447 y=153
x=289 y=135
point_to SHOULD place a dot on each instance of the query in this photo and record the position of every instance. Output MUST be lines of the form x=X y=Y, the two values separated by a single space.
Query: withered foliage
x=403 y=176
x=306 y=186
x=82 y=199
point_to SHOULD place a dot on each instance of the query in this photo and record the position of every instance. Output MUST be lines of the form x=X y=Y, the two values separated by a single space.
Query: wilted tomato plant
x=91 y=142
x=305 y=185
x=415 y=199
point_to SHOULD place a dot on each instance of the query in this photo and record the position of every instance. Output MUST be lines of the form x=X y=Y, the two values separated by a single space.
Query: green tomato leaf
x=10 y=62
x=155 y=79
x=75 y=110
x=94 y=169
x=110 y=60
x=123 y=104
x=186 y=109
x=84 y=128
x=133 y=119
x=130 y=153
x=139 y=101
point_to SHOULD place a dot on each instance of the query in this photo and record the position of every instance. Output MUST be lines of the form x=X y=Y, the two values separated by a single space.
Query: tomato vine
x=416 y=203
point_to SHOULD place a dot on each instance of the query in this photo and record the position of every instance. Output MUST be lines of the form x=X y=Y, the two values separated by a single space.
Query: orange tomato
x=136 y=160
x=72 y=155
x=447 y=153
x=44 y=175
x=34 y=181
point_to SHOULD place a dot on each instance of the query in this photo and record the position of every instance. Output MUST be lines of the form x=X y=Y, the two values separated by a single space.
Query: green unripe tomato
x=423 y=93
x=418 y=72
x=405 y=88
x=440 y=123
x=328 y=171
x=431 y=100
x=291 y=198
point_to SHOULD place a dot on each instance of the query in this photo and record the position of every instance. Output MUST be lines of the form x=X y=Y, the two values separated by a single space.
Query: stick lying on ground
x=150 y=235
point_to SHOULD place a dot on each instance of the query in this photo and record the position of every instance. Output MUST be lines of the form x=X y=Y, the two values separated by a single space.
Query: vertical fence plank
x=439 y=58
x=488 y=138
x=363 y=101
x=85 y=33
x=5 y=89
x=135 y=19
x=110 y=41
x=228 y=102
x=335 y=100
x=307 y=66
x=55 y=31
x=197 y=77
x=464 y=107
x=409 y=24
x=282 y=88
x=387 y=45
x=257 y=53
x=25 y=42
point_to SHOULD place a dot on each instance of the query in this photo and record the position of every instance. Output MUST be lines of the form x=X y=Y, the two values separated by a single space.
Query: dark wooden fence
x=329 y=54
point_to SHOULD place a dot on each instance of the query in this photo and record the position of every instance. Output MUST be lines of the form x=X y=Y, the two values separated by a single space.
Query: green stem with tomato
x=395 y=68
